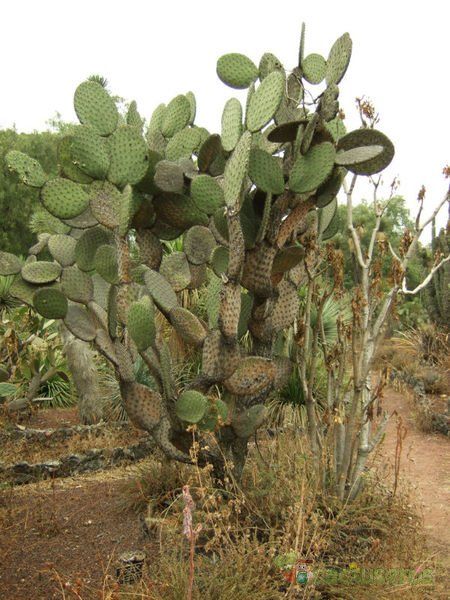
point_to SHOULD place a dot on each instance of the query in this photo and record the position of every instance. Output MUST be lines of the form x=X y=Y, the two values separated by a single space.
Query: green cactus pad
x=126 y=295
x=286 y=132
x=129 y=158
x=87 y=246
x=266 y=171
x=160 y=290
x=66 y=164
x=80 y=323
x=9 y=264
x=129 y=205
x=156 y=119
x=236 y=171
x=268 y=64
x=105 y=200
x=253 y=375
x=150 y=248
x=326 y=215
x=175 y=268
x=141 y=323
x=183 y=144
x=62 y=248
x=231 y=124
x=198 y=276
x=28 y=169
x=246 y=311
x=95 y=107
x=265 y=101
x=178 y=211
x=77 y=285
x=355 y=156
x=236 y=70
x=337 y=128
x=169 y=176
x=329 y=190
x=247 y=422
x=41 y=272
x=191 y=406
x=207 y=194
x=134 y=119
x=164 y=231
x=308 y=133
x=287 y=258
x=219 y=260
x=210 y=152
x=313 y=169
x=218 y=409
x=176 y=116
x=329 y=104
x=188 y=326
x=193 y=104
x=314 y=68
x=85 y=220
x=64 y=199
x=40 y=245
x=50 y=303
x=332 y=228
x=89 y=152
x=105 y=263
x=198 y=243
x=367 y=137
x=338 y=59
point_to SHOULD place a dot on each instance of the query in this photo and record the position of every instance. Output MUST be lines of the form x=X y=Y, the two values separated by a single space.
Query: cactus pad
x=50 y=303
x=87 y=246
x=41 y=272
x=339 y=59
x=188 y=326
x=265 y=101
x=248 y=421
x=313 y=169
x=329 y=190
x=175 y=268
x=337 y=128
x=253 y=375
x=80 y=323
x=134 y=119
x=219 y=358
x=363 y=138
x=231 y=124
x=64 y=198
x=9 y=264
x=95 y=107
x=77 y=285
x=28 y=169
x=266 y=171
x=141 y=323
x=62 y=248
x=287 y=259
x=191 y=406
x=105 y=263
x=89 y=152
x=326 y=215
x=160 y=290
x=269 y=63
x=129 y=159
x=105 y=201
x=183 y=144
x=207 y=194
x=66 y=164
x=198 y=243
x=314 y=68
x=150 y=248
x=169 y=176
x=236 y=70
x=176 y=116
x=236 y=171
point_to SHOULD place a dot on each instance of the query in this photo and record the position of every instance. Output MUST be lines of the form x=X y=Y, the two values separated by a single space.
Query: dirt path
x=425 y=464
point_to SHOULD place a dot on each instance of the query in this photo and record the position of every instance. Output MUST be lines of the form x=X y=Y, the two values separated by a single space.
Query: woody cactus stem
x=240 y=203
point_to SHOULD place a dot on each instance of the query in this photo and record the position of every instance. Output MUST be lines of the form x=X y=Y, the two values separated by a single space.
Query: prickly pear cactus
x=239 y=203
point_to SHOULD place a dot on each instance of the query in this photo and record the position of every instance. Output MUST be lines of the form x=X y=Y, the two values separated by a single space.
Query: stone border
x=74 y=464
x=61 y=433
x=440 y=422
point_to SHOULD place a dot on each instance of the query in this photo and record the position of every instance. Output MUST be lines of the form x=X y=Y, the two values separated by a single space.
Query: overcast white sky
x=151 y=51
